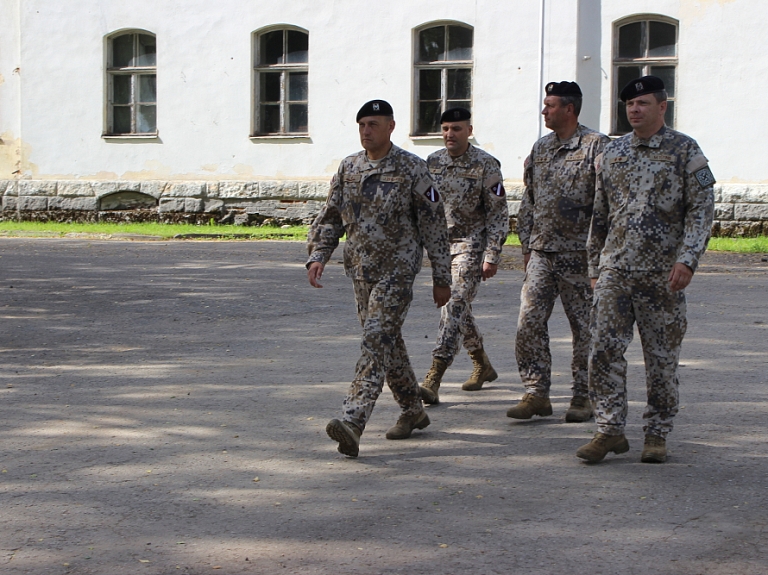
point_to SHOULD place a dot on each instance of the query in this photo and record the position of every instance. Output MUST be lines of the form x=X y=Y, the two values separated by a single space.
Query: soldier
x=654 y=204
x=470 y=182
x=553 y=223
x=384 y=200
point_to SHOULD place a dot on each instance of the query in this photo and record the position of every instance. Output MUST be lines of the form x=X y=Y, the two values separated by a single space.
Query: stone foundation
x=741 y=210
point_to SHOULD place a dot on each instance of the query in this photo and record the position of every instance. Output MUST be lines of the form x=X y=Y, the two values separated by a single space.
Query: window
x=281 y=81
x=644 y=47
x=442 y=74
x=132 y=84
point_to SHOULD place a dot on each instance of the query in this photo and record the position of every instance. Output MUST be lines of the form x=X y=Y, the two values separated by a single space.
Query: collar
x=652 y=142
x=463 y=161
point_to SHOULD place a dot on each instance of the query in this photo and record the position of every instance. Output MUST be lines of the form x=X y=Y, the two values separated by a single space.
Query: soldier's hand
x=441 y=295
x=526 y=259
x=489 y=270
x=680 y=277
x=314 y=273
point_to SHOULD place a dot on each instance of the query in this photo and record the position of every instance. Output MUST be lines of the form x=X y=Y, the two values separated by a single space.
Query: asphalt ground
x=163 y=406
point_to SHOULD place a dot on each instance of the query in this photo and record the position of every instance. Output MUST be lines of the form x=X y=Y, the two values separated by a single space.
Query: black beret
x=563 y=89
x=375 y=108
x=455 y=115
x=640 y=86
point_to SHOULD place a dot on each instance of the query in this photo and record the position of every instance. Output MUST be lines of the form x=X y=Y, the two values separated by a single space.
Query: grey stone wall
x=740 y=209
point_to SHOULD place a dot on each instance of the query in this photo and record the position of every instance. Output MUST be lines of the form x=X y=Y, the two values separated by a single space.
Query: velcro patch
x=705 y=177
x=432 y=194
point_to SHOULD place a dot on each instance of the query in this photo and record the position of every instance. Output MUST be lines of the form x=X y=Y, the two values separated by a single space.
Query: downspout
x=541 y=64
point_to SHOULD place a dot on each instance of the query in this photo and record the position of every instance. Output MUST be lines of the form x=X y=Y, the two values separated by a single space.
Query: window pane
x=121 y=90
x=147 y=51
x=625 y=75
x=631 y=41
x=459 y=104
x=429 y=85
x=297 y=114
x=147 y=119
x=270 y=119
x=122 y=51
x=270 y=86
x=297 y=86
x=148 y=88
x=667 y=74
x=432 y=44
x=272 y=48
x=429 y=117
x=669 y=115
x=459 y=84
x=459 y=43
x=298 y=46
x=661 y=39
x=121 y=119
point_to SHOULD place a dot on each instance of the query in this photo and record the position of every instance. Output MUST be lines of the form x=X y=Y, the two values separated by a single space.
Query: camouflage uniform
x=654 y=205
x=390 y=211
x=553 y=224
x=478 y=223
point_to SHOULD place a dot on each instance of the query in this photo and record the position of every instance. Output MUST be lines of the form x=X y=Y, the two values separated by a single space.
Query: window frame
x=444 y=66
x=285 y=69
x=134 y=72
x=645 y=63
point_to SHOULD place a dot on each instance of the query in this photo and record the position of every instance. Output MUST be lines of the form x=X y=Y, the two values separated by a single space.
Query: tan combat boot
x=432 y=381
x=529 y=406
x=406 y=424
x=347 y=434
x=654 y=449
x=579 y=410
x=601 y=445
x=483 y=371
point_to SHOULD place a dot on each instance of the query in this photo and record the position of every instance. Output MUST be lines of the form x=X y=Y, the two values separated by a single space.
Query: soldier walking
x=472 y=188
x=385 y=202
x=553 y=224
x=653 y=213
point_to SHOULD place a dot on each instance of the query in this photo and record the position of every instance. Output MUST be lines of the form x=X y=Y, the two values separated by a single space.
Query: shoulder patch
x=432 y=194
x=599 y=163
x=696 y=163
x=498 y=189
x=705 y=177
x=527 y=163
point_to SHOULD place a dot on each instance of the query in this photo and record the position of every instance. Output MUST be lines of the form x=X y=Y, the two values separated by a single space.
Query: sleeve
x=430 y=219
x=699 y=204
x=324 y=233
x=496 y=213
x=525 y=213
x=598 y=229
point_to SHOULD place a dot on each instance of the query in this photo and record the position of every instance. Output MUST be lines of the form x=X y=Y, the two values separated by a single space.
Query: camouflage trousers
x=457 y=324
x=621 y=299
x=381 y=309
x=549 y=275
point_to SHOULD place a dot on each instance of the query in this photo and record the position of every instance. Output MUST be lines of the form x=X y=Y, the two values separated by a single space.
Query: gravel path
x=163 y=407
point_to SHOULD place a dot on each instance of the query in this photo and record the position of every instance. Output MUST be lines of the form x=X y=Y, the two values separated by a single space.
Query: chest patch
x=662 y=158
x=392 y=179
x=352 y=178
x=576 y=157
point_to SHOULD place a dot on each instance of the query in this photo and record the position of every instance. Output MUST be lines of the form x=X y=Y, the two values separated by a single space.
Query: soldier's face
x=555 y=114
x=375 y=132
x=645 y=114
x=456 y=137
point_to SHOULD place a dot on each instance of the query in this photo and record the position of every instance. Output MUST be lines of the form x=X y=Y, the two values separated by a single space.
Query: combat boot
x=483 y=371
x=432 y=381
x=406 y=424
x=347 y=434
x=579 y=410
x=654 y=449
x=529 y=406
x=601 y=445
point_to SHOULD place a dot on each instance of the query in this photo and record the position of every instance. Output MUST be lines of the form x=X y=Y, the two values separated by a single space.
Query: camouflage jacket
x=654 y=204
x=557 y=202
x=475 y=202
x=389 y=212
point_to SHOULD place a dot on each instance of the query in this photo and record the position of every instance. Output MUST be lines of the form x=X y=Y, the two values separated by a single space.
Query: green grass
x=294 y=233
x=48 y=229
